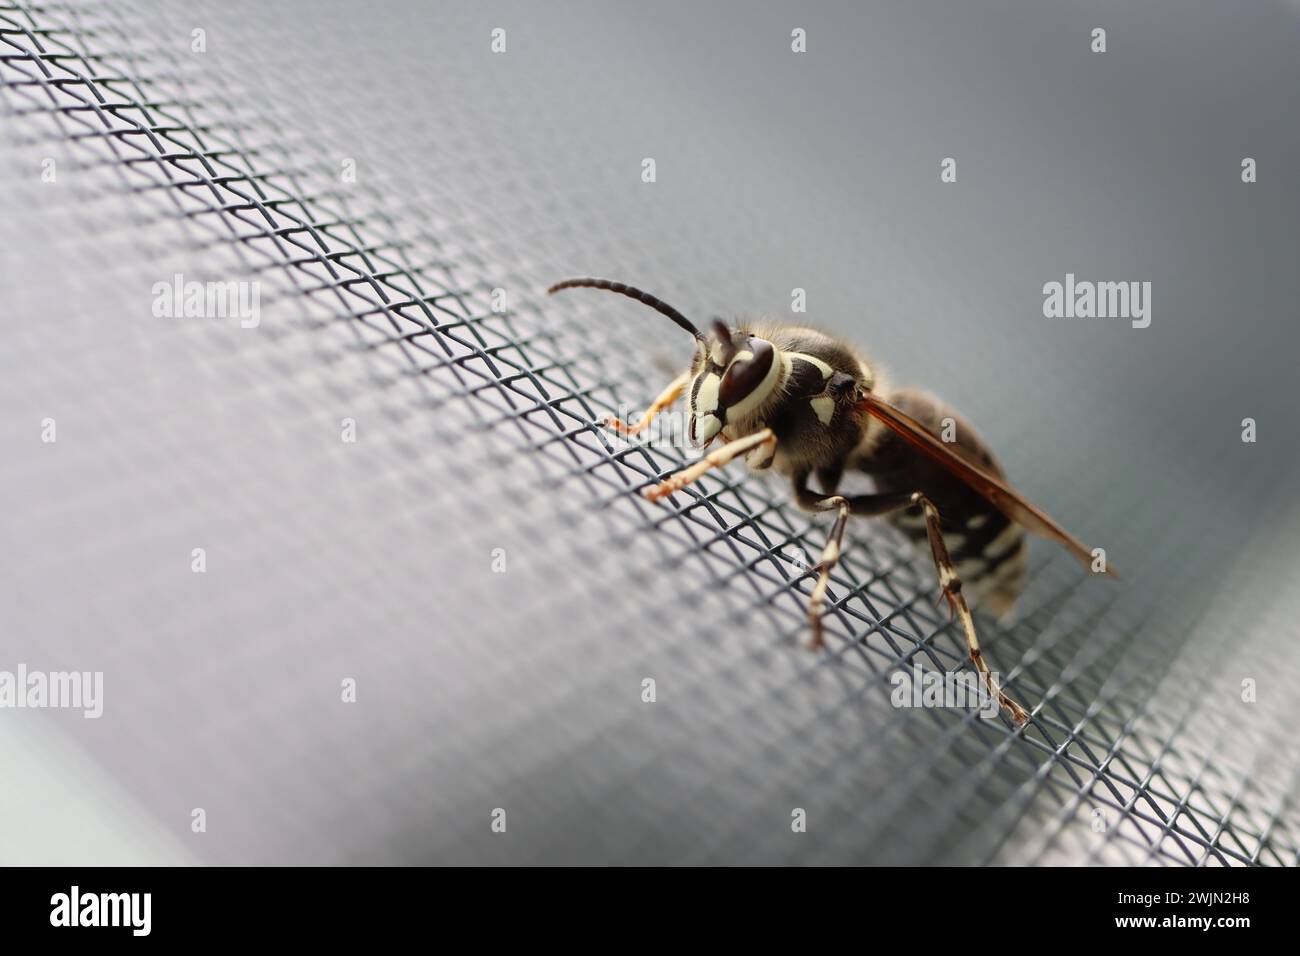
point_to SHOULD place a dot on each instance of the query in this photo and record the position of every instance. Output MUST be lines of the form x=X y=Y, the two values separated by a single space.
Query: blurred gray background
x=521 y=690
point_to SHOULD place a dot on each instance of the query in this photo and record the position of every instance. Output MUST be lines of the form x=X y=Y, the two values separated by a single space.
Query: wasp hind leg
x=950 y=584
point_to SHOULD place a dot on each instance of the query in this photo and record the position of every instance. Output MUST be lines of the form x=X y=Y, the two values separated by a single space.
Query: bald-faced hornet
x=799 y=402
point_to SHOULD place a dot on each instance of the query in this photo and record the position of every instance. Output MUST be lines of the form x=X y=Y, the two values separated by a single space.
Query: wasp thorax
x=738 y=372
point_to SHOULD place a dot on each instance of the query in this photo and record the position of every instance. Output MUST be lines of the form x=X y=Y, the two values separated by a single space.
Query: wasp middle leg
x=864 y=505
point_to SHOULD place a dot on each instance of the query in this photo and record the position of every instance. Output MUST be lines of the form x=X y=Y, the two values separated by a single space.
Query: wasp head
x=734 y=373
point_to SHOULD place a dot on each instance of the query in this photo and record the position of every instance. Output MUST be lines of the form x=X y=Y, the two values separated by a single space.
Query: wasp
x=799 y=402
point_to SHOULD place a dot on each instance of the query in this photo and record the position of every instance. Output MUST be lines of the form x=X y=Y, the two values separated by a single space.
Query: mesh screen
x=380 y=560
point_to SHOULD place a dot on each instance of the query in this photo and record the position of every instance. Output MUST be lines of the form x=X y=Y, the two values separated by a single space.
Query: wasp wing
x=1005 y=498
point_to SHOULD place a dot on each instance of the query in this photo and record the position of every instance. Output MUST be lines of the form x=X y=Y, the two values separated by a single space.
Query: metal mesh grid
x=509 y=400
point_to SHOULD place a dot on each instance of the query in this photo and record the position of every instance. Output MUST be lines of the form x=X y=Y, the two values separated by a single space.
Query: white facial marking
x=706 y=399
x=705 y=429
x=703 y=402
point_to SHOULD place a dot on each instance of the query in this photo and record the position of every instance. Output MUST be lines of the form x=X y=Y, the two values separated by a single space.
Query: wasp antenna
x=645 y=298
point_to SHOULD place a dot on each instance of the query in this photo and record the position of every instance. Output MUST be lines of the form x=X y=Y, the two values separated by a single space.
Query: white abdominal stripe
x=995 y=575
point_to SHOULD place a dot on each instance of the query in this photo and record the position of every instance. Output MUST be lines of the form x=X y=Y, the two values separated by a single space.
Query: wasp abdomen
x=989 y=551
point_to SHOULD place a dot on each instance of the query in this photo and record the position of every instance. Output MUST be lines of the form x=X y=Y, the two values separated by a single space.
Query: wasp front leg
x=763 y=439
x=665 y=400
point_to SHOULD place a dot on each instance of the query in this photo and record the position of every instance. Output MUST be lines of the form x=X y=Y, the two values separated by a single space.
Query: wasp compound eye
x=745 y=374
